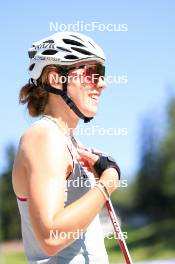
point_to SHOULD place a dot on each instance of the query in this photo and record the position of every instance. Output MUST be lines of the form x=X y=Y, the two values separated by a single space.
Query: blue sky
x=145 y=53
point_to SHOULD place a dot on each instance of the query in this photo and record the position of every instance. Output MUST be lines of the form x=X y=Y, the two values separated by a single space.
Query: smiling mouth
x=94 y=97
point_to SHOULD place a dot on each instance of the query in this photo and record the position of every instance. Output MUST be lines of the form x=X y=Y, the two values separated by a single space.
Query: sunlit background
x=142 y=53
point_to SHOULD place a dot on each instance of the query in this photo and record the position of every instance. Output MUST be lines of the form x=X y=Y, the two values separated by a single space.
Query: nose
x=101 y=84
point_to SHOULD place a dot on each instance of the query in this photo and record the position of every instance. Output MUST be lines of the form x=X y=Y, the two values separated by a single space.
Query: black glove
x=104 y=162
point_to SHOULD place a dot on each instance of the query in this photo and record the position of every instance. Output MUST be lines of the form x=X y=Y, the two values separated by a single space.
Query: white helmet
x=62 y=48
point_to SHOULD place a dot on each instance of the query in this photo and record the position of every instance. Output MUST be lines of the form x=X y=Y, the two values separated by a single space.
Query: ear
x=54 y=79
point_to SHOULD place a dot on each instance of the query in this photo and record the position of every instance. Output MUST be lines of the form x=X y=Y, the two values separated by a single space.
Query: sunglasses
x=91 y=73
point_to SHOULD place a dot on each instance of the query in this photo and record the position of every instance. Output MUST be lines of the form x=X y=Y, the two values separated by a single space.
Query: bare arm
x=47 y=164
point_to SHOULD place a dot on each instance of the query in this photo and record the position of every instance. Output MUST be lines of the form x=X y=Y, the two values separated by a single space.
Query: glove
x=104 y=162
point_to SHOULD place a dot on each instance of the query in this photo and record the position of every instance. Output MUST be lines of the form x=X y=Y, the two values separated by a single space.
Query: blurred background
x=138 y=105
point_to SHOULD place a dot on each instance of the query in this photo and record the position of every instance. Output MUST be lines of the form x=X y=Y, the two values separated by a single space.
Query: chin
x=90 y=112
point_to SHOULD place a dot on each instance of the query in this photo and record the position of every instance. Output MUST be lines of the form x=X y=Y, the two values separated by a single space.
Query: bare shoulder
x=42 y=143
x=41 y=134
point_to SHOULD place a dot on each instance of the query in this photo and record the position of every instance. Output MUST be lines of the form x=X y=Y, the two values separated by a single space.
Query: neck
x=62 y=114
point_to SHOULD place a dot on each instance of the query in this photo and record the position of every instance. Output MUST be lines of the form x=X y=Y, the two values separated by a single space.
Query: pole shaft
x=118 y=231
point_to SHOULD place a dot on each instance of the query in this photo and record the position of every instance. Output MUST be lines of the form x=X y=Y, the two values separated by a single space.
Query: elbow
x=54 y=245
x=51 y=249
x=50 y=240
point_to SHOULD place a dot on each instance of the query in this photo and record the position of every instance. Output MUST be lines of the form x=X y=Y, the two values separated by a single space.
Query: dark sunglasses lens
x=101 y=70
x=90 y=70
x=96 y=69
x=93 y=72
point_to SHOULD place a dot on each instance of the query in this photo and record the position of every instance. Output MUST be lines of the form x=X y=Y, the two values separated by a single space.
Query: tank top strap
x=68 y=141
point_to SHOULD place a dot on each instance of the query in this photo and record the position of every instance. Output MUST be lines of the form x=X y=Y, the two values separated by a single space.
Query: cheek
x=74 y=92
x=79 y=94
x=77 y=91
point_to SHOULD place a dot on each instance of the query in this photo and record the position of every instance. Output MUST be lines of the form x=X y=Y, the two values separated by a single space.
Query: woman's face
x=83 y=90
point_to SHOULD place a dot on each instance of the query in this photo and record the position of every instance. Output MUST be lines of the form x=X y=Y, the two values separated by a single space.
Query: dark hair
x=34 y=96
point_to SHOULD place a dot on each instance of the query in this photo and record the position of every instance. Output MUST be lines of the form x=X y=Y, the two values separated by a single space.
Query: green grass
x=155 y=241
x=13 y=258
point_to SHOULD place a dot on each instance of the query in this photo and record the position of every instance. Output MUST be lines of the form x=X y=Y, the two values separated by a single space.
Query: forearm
x=76 y=217
x=72 y=221
x=80 y=213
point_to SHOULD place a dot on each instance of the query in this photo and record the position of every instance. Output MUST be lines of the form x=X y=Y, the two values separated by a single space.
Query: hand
x=87 y=159
x=109 y=177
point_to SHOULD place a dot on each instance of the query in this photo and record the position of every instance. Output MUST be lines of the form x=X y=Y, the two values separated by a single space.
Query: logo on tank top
x=83 y=173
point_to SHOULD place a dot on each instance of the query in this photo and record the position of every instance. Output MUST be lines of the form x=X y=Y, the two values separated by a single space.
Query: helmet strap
x=64 y=72
x=68 y=100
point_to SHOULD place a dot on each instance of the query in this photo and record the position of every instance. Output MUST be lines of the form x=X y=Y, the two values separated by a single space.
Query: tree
x=167 y=161
x=155 y=193
x=10 y=219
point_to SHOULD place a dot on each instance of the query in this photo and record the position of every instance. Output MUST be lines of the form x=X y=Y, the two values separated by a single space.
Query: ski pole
x=118 y=231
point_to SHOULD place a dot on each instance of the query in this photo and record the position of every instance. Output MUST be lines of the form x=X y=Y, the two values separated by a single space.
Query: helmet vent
x=49 y=52
x=76 y=37
x=49 y=41
x=85 y=52
x=32 y=53
x=73 y=42
x=63 y=49
x=31 y=67
x=91 y=44
x=71 y=57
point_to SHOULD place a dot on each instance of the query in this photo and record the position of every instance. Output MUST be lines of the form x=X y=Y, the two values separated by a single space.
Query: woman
x=59 y=219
